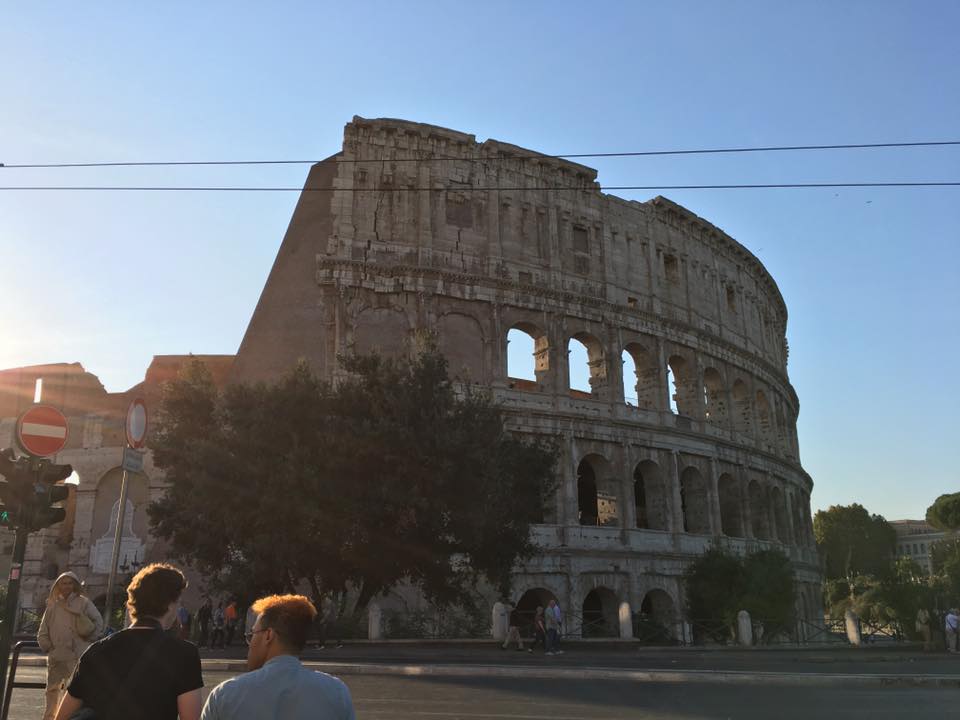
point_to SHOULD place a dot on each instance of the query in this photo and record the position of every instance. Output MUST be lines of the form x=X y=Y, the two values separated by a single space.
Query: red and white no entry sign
x=42 y=431
x=137 y=423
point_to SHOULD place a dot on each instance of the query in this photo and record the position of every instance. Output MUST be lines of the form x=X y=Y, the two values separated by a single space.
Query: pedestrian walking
x=143 y=671
x=551 y=624
x=230 y=617
x=204 y=617
x=539 y=630
x=513 y=634
x=950 y=625
x=277 y=685
x=218 y=622
x=69 y=624
x=553 y=608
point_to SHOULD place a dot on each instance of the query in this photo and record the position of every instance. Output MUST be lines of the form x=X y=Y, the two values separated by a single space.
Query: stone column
x=676 y=514
x=713 y=483
x=745 y=502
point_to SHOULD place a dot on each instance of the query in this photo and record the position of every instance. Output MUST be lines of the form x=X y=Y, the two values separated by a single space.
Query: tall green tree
x=395 y=474
x=944 y=514
x=853 y=542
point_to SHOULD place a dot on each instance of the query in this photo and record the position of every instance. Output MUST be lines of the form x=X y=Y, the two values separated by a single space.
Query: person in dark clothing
x=142 y=672
x=204 y=615
x=513 y=634
x=539 y=630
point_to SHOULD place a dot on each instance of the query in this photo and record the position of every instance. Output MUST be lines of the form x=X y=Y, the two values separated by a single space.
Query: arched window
x=694 y=502
x=586 y=494
x=731 y=518
x=714 y=396
x=759 y=511
x=641 y=377
x=672 y=390
x=764 y=417
x=743 y=413
x=650 y=496
x=630 y=379
x=528 y=356
x=587 y=364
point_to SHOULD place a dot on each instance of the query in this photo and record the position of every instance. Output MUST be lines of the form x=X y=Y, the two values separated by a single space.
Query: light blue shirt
x=282 y=688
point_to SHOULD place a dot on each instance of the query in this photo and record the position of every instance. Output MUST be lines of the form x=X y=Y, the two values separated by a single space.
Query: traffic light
x=48 y=493
x=15 y=489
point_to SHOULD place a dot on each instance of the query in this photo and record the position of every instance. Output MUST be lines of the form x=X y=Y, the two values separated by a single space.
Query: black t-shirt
x=515 y=617
x=136 y=674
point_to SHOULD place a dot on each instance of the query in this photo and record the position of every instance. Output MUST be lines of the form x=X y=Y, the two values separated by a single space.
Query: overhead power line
x=497 y=158
x=468 y=188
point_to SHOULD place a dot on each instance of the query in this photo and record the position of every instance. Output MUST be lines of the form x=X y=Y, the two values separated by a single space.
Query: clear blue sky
x=870 y=277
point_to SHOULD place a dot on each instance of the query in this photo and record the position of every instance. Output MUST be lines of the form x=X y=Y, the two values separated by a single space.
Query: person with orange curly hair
x=278 y=685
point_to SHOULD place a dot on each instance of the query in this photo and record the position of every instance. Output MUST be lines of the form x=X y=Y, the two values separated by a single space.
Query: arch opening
x=650 y=497
x=694 y=502
x=600 y=613
x=587 y=367
x=714 y=396
x=597 y=492
x=528 y=356
x=731 y=519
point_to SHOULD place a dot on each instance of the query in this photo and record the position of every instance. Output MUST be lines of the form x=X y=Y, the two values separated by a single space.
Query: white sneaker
x=548 y=653
x=559 y=652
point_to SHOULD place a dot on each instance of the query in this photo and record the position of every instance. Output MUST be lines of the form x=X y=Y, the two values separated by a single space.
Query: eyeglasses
x=248 y=635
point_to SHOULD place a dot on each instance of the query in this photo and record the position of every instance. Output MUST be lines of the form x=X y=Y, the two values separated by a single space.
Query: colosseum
x=686 y=432
x=654 y=349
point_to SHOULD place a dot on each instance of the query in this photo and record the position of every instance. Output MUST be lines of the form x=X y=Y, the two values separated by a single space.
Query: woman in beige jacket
x=70 y=623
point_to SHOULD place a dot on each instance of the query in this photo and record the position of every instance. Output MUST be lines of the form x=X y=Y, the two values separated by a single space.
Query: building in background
x=915 y=540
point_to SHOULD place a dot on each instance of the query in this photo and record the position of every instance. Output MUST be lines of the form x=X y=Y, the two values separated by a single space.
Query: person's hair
x=289 y=616
x=152 y=590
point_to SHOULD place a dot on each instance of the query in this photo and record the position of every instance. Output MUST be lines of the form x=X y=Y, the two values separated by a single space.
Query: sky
x=871 y=277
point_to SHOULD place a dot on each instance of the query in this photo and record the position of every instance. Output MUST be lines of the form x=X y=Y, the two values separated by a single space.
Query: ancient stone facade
x=414 y=228
x=83 y=543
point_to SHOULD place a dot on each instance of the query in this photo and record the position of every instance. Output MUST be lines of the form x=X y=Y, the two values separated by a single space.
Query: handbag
x=83 y=625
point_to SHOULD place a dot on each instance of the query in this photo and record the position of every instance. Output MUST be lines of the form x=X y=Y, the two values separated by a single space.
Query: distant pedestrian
x=553 y=608
x=70 y=623
x=551 y=624
x=142 y=672
x=539 y=630
x=513 y=634
x=277 y=684
x=183 y=619
x=327 y=621
x=951 y=626
x=204 y=617
x=230 y=618
x=923 y=628
x=218 y=621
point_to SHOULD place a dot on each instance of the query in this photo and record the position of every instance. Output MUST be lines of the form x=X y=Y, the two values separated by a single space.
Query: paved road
x=425 y=698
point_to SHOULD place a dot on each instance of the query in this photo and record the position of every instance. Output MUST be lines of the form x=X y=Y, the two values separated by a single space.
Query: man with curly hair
x=279 y=686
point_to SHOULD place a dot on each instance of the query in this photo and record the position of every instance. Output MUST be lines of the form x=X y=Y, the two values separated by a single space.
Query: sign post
x=41 y=432
x=136 y=431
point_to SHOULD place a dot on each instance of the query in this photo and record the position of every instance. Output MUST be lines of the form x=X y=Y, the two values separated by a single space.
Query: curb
x=715 y=677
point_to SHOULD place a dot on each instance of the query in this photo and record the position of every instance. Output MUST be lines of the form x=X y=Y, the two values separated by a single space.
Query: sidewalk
x=839 y=665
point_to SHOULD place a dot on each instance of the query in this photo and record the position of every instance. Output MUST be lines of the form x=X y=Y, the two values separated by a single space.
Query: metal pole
x=118 y=536
x=13 y=600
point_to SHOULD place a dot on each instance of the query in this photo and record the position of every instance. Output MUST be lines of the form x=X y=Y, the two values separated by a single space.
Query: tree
x=393 y=475
x=852 y=542
x=719 y=584
x=944 y=514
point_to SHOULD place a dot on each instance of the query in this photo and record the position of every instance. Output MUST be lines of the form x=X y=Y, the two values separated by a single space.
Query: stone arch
x=764 y=417
x=681 y=375
x=779 y=503
x=596 y=377
x=528 y=338
x=759 y=511
x=530 y=600
x=461 y=340
x=694 y=501
x=714 y=396
x=731 y=517
x=383 y=330
x=659 y=609
x=600 y=613
x=743 y=410
x=644 y=386
x=597 y=492
x=650 y=496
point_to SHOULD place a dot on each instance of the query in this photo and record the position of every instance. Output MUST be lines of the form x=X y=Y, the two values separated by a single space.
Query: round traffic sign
x=136 y=425
x=42 y=431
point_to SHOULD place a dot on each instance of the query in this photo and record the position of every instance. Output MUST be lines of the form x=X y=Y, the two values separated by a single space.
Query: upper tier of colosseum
x=408 y=198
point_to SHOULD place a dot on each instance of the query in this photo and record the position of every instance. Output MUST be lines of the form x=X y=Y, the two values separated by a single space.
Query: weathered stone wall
x=427 y=230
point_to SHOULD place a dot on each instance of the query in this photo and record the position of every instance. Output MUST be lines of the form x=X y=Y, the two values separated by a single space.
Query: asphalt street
x=428 y=698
